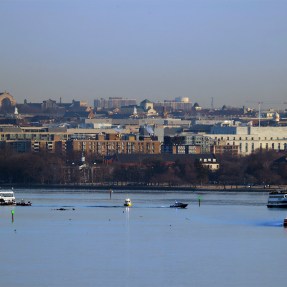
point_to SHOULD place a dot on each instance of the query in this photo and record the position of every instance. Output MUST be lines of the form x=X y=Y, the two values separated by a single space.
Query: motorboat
x=7 y=198
x=128 y=202
x=179 y=205
x=277 y=199
x=24 y=203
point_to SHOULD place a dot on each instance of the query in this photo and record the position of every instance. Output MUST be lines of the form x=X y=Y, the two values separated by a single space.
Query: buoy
x=12 y=213
x=285 y=222
x=199 y=199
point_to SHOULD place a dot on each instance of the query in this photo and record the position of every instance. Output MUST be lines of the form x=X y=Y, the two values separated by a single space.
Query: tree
x=259 y=165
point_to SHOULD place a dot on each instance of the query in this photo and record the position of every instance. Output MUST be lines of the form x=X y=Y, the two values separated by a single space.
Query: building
x=148 y=108
x=97 y=142
x=7 y=102
x=179 y=103
x=222 y=148
x=249 y=138
x=110 y=147
x=113 y=102
x=209 y=162
x=187 y=143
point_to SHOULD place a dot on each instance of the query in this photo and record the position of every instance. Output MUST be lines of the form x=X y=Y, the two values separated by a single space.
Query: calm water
x=230 y=240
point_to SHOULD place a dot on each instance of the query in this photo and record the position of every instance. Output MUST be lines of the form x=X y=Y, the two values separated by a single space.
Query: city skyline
x=230 y=51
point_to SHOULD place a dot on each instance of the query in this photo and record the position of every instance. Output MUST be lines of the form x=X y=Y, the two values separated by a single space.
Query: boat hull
x=279 y=205
x=23 y=203
x=179 y=205
x=7 y=203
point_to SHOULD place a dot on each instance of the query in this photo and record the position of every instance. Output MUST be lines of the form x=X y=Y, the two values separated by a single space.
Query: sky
x=231 y=51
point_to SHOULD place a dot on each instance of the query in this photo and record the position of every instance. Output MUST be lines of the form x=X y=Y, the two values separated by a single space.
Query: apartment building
x=101 y=142
x=114 y=146
x=26 y=139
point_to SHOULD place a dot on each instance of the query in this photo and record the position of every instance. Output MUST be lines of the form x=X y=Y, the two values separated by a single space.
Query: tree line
x=48 y=168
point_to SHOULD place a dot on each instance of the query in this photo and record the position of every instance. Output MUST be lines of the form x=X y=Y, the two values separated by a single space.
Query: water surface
x=231 y=239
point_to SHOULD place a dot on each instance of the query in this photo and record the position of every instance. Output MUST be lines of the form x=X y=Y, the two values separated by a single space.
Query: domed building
x=7 y=102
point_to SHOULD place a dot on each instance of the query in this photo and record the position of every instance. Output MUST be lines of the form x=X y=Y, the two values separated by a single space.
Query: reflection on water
x=127 y=246
x=96 y=241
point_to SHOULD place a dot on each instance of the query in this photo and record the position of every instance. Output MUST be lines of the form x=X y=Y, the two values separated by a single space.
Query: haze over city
x=231 y=51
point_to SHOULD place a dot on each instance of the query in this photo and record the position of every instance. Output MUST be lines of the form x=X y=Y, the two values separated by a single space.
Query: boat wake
x=270 y=223
x=122 y=206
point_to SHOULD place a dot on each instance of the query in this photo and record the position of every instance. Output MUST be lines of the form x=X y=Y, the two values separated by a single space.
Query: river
x=231 y=239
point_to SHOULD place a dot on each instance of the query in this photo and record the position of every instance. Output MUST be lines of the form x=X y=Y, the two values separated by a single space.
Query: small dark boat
x=179 y=205
x=24 y=203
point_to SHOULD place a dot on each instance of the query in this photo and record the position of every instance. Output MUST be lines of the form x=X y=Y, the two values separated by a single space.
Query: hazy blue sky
x=231 y=50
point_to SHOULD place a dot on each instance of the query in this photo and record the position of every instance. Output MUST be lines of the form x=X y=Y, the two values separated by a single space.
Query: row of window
x=248 y=138
x=261 y=146
x=119 y=147
x=23 y=136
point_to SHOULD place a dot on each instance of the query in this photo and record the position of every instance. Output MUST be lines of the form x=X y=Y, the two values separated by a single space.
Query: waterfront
x=232 y=239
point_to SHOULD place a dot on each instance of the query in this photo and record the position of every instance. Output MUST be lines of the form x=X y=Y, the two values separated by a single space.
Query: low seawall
x=191 y=188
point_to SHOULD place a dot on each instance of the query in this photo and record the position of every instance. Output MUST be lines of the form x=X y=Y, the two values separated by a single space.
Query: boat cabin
x=128 y=202
x=7 y=197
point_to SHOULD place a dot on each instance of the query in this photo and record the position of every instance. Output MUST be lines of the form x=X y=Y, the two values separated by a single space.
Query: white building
x=250 y=138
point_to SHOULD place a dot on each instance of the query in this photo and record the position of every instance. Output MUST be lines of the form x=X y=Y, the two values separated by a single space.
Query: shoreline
x=197 y=188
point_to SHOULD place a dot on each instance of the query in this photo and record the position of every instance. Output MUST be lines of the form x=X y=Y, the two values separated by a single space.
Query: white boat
x=277 y=199
x=128 y=202
x=7 y=198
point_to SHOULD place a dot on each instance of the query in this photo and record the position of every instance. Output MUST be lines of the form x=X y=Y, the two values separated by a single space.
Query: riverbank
x=191 y=188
